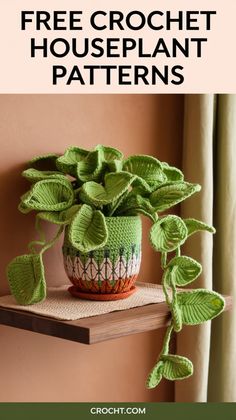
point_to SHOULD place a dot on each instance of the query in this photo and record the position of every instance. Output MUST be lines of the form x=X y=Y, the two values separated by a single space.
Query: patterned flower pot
x=108 y=273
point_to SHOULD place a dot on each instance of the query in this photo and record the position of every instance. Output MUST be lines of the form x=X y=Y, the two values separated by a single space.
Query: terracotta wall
x=40 y=368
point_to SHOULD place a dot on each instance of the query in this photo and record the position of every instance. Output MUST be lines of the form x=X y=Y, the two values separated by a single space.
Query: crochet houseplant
x=96 y=198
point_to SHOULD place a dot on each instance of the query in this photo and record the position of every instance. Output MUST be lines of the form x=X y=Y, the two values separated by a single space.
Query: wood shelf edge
x=98 y=328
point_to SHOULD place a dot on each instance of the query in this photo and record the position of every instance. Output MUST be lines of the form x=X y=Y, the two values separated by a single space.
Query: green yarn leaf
x=109 y=153
x=182 y=270
x=33 y=175
x=115 y=165
x=140 y=186
x=144 y=188
x=68 y=162
x=136 y=204
x=168 y=233
x=168 y=196
x=146 y=167
x=26 y=279
x=88 y=230
x=172 y=173
x=116 y=204
x=59 y=218
x=116 y=184
x=155 y=375
x=49 y=195
x=199 y=305
x=69 y=213
x=176 y=367
x=91 y=168
x=51 y=216
x=171 y=367
x=44 y=162
x=194 y=225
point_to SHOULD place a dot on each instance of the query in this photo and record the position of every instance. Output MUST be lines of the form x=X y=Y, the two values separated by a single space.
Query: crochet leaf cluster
x=76 y=191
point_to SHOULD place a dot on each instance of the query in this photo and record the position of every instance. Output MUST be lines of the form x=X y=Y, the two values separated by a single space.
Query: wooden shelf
x=94 y=329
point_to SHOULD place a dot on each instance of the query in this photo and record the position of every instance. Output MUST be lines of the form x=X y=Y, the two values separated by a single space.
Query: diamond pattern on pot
x=108 y=268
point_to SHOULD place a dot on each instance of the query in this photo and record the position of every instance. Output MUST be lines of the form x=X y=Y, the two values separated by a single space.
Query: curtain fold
x=209 y=158
x=222 y=381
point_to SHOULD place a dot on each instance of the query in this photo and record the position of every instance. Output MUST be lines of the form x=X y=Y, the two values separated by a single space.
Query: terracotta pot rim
x=75 y=292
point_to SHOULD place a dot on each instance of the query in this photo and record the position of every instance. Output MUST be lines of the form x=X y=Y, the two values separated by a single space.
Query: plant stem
x=155 y=217
x=50 y=243
x=176 y=314
x=178 y=251
x=33 y=243
x=163 y=260
x=172 y=285
x=165 y=290
x=42 y=237
x=165 y=348
x=39 y=229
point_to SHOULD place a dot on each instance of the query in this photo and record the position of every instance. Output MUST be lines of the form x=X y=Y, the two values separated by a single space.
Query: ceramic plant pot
x=109 y=273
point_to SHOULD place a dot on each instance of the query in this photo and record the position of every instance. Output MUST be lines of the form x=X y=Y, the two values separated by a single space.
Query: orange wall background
x=40 y=368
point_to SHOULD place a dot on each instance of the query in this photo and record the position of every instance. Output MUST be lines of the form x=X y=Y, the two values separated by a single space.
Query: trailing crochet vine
x=77 y=191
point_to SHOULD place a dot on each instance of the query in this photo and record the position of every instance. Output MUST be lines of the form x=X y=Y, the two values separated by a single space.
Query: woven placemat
x=59 y=304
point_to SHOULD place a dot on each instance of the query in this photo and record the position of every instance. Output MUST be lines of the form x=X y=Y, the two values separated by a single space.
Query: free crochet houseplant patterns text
x=149 y=37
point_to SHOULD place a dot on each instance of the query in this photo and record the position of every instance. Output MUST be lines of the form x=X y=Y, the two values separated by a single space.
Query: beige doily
x=60 y=304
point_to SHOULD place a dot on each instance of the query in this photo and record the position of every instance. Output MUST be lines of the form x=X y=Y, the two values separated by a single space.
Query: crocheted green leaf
x=176 y=367
x=155 y=375
x=165 y=197
x=68 y=162
x=50 y=195
x=172 y=173
x=115 y=165
x=91 y=168
x=116 y=184
x=69 y=213
x=199 y=305
x=146 y=167
x=168 y=233
x=44 y=162
x=194 y=225
x=135 y=204
x=33 y=175
x=140 y=186
x=88 y=230
x=26 y=279
x=59 y=218
x=51 y=216
x=115 y=205
x=109 y=153
x=183 y=270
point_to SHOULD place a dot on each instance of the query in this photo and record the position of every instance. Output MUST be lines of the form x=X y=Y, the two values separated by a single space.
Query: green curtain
x=209 y=158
